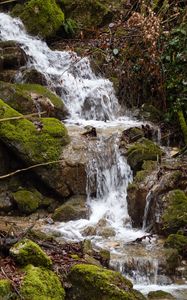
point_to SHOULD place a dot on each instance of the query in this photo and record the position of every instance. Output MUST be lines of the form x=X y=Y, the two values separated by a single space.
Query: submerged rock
x=40 y=283
x=74 y=209
x=93 y=282
x=27 y=252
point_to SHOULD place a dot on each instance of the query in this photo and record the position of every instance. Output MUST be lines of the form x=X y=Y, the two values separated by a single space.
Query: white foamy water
x=91 y=100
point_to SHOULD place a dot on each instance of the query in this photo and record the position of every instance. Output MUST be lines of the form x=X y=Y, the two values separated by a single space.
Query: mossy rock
x=29 y=144
x=140 y=151
x=93 y=282
x=41 y=284
x=6 y=290
x=173 y=260
x=41 y=17
x=73 y=209
x=175 y=216
x=177 y=241
x=160 y=295
x=20 y=97
x=27 y=252
x=26 y=201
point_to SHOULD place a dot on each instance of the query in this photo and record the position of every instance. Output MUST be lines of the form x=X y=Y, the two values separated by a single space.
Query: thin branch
x=22 y=117
x=29 y=168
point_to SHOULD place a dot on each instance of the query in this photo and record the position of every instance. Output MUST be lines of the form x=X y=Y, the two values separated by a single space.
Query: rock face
x=27 y=252
x=93 y=282
x=32 y=98
x=40 y=283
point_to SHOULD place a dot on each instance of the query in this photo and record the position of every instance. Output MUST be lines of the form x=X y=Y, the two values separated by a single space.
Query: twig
x=22 y=117
x=29 y=168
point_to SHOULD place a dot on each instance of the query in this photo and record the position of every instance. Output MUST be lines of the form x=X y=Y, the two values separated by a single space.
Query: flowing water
x=91 y=100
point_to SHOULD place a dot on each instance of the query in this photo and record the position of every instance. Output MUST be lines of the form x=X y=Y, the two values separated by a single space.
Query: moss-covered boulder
x=27 y=252
x=32 y=98
x=93 y=282
x=160 y=295
x=41 y=17
x=6 y=291
x=40 y=283
x=140 y=151
x=175 y=215
x=73 y=209
x=177 y=241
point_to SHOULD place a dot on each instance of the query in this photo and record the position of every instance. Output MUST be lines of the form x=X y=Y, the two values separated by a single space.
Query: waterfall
x=85 y=95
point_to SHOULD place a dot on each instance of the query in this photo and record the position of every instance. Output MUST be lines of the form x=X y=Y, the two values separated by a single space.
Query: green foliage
x=41 y=284
x=70 y=26
x=175 y=216
x=41 y=17
x=6 y=290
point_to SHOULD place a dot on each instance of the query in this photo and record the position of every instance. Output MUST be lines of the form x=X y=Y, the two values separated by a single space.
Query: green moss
x=27 y=252
x=41 y=284
x=140 y=151
x=177 y=241
x=158 y=295
x=31 y=145
x=18 y=96
x=175 y=216
x=6 y=290
x=93 y=282
x=183 y=125
x=26 y=201
x=41 y=17
x=148 y=166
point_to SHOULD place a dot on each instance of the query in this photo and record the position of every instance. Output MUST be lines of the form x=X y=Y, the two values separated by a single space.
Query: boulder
x=27 y=252
x=74 y=209
x=160 y=295
x=33 y=76
x=8 y=75
x=5 y=202
x=32 y=98
x=40 y=283
x=36 y=147
x=179 y=242
x=140 y=151
x=41 y=17
x=93 y=282
x=12 y=56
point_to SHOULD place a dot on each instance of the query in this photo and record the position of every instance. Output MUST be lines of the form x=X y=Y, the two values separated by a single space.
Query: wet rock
x=89 y=230
x=91 y=260
x=27 y=252
x=140 y=151
x=40 y=283
x=106 y=232
x=131 y=135
x=74 y=209
x=87 y=247
x=33 y=76
x=102 y=283
x=160 y=295
x=12 y=56
x=32 y=98
x=8 y=75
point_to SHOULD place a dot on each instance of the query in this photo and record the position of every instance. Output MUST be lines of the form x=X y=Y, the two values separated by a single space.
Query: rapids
x=91 y=100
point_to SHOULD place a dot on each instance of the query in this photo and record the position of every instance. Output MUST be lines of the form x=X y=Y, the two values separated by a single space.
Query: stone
x=74 y=209
x=27 y=252
x=160 y=295
x=40 y=283
x=26 y=201
x=12 y=56
x=106 y=232
x=32 y=98
x=41 y=17
x=6 y=204
x=140 y=151
x=33 y=76
x=103 y=284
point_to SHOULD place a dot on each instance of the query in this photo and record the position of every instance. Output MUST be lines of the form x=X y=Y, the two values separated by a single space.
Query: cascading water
x=91 y=100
